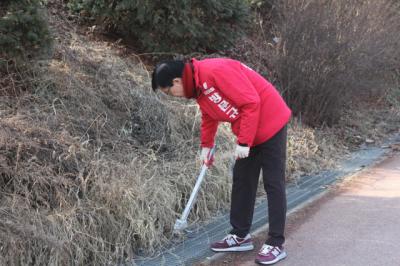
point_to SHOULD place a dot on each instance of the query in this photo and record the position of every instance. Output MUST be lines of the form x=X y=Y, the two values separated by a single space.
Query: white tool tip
x=180 y=225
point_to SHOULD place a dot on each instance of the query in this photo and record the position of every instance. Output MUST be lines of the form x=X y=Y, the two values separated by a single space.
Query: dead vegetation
x=324 y=55
x=94 y=167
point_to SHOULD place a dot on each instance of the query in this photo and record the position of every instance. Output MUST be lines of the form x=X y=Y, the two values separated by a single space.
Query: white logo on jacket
x=223 y=104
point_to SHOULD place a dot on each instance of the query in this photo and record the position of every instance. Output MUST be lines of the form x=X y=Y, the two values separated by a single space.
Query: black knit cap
x=165 y=72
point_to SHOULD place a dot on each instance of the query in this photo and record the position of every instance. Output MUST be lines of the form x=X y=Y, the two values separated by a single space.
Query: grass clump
x=94 y=165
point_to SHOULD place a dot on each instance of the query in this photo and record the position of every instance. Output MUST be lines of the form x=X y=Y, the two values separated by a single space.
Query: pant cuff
x=240 y=234
x=274 y=242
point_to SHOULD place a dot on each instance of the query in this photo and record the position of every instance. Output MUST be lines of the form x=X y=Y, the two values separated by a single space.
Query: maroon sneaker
x=233 y=243
x=270 y=254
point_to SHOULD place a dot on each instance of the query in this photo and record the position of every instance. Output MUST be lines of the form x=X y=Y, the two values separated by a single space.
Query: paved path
x=357 y=223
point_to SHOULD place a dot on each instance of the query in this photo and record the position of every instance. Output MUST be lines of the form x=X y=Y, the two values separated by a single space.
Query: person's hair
x=165 y=72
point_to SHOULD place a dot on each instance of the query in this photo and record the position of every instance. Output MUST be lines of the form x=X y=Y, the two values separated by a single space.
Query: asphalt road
x=357 y=223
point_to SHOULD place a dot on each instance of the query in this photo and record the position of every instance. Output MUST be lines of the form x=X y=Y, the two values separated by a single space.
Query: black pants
x=269 y=156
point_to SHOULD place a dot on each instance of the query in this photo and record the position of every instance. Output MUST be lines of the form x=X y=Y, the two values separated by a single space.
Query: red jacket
x=232 y=92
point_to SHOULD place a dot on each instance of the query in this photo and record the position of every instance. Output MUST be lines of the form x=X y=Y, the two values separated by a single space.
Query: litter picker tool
x=181 y=224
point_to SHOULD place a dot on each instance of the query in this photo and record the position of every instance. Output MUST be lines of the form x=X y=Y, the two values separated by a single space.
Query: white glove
x=204 y=154
x=241 y=152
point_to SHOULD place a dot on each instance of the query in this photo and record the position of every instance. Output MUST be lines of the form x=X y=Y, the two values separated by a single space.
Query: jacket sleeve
x=235 y=85
x=208 y=129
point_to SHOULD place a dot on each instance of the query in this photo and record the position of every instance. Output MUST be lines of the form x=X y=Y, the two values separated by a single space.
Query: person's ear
x=177 y=81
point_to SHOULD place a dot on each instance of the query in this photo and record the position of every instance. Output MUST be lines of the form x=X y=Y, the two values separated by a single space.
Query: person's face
x=176 y=90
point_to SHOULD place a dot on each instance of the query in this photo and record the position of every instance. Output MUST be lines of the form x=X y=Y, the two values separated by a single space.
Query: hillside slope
x=95 y=166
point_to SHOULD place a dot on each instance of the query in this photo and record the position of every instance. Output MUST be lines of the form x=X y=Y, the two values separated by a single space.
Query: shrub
x=333 y=52
x=178 y=26
x=24 y=31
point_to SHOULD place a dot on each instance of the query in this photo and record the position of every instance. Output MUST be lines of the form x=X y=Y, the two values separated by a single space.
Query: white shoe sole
x=280 y=257
x=240 y=248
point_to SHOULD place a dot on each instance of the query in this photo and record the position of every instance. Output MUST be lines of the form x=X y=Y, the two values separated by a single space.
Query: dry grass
x=311 y=150
x=95 y=168
x=372 y=122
